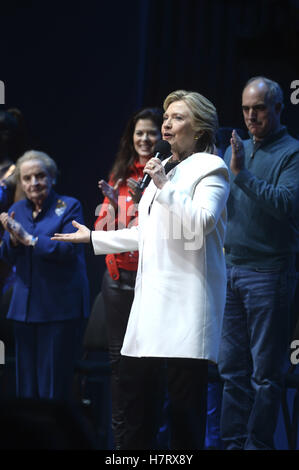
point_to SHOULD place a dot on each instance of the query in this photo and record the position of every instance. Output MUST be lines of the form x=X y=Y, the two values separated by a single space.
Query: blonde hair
x=49 y=163
x=205 y=119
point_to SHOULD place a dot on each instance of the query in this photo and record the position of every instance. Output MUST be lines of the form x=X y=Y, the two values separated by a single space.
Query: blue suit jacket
x=51 y=280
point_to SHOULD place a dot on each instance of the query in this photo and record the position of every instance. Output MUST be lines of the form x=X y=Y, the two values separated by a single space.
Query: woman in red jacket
x=119 y=210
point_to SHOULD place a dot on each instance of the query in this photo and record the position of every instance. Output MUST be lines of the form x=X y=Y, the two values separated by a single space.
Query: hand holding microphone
x=154 y=169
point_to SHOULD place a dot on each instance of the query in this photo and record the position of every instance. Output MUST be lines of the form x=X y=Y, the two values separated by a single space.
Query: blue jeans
x=214 y=397
x=254 y=346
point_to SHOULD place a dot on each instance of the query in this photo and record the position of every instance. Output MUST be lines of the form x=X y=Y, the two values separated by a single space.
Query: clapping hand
x=111 y=192
x=237 y=162
x=17 y=233
x=136 y=192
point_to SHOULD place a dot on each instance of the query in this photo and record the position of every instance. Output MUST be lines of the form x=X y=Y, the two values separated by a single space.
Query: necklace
x=35 y=212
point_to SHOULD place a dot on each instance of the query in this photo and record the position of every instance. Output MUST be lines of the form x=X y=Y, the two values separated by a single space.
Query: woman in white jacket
x=176 y=316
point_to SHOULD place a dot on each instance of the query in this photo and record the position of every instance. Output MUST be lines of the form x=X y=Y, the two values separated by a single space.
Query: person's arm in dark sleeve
x=278 y=200
x=9 y=251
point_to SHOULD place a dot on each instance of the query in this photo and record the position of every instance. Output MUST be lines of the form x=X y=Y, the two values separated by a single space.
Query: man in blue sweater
x=260 y=254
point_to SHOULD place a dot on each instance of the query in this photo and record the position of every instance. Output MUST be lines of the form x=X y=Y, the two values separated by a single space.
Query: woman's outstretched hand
x=81 y=236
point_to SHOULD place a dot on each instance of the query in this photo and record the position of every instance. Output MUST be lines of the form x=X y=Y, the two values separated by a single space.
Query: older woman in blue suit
x=51 y=295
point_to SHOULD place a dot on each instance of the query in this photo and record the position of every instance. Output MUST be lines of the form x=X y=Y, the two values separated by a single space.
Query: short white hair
x=31 y=155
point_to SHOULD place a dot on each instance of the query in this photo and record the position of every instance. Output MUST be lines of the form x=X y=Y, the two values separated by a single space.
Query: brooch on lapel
x=60 y=207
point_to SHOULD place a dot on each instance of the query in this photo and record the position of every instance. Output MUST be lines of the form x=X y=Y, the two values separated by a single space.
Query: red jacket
x=126 y=215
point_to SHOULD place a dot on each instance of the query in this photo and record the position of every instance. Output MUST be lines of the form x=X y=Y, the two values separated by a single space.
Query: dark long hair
x=126 y=154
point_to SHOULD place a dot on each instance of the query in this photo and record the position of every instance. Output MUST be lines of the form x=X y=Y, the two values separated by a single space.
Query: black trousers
x=118 y=297
x=143 y=393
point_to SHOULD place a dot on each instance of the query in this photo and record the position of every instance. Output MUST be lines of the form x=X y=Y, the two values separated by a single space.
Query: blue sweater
x=263 y=204
x=51 y=281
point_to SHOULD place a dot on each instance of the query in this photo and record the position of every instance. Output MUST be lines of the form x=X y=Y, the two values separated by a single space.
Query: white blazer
x=181 y=279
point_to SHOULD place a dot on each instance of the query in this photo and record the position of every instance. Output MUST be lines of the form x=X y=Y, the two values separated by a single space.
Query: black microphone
x=162 y=150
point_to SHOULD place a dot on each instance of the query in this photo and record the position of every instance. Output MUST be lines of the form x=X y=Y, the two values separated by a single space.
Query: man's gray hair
x=274 y=92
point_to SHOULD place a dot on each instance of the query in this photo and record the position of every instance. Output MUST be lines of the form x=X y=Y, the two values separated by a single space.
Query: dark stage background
x=78 y=71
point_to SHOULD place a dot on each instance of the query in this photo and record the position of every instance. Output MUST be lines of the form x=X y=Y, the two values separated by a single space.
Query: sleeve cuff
x=242 y=177
x=91 y=242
